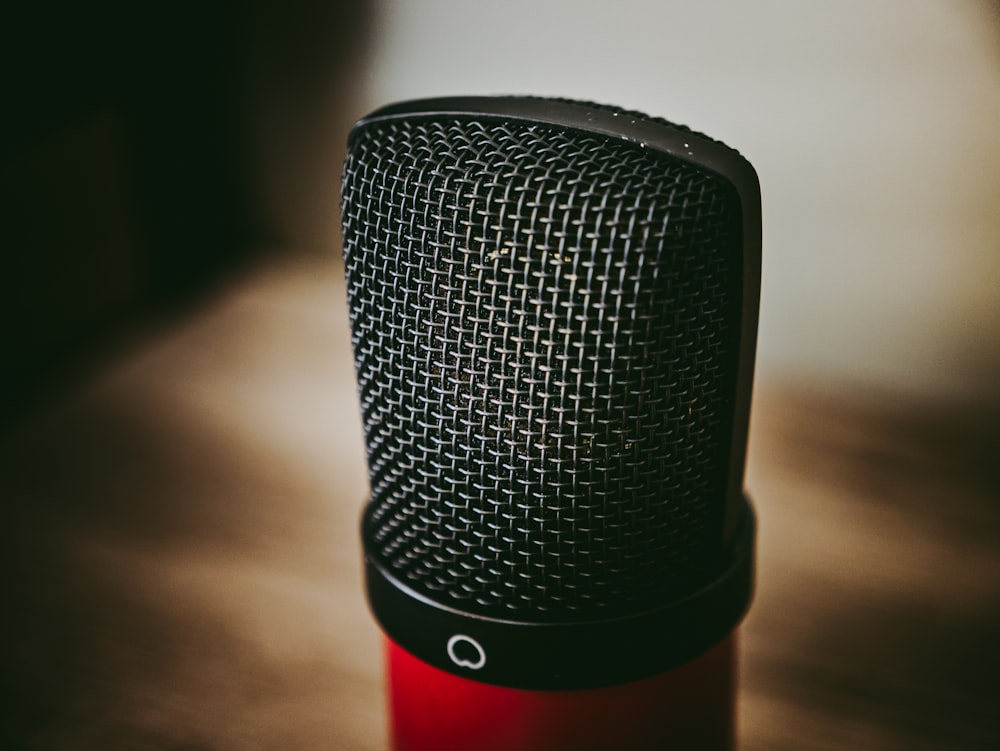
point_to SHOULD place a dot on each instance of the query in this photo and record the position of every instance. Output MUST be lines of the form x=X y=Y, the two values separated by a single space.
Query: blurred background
x=181 y=470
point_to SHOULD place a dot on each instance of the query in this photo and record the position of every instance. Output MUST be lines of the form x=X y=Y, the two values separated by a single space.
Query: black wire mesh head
x=546 y=323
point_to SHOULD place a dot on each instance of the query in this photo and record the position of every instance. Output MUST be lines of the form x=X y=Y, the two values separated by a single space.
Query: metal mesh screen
x=543 y=323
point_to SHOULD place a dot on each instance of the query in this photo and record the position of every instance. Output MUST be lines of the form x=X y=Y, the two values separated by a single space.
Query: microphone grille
x=545 y=323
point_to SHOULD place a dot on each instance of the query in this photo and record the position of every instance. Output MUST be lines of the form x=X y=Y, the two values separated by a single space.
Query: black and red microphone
x=553 y=308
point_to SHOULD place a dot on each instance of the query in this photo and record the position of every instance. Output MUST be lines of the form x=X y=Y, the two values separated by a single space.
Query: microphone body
x=553 y=311
x=690 y=707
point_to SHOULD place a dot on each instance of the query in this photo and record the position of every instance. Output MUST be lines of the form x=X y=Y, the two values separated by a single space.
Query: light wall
x=874 y=127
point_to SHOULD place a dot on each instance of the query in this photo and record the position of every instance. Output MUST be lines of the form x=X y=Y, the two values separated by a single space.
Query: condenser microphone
x=553 y=310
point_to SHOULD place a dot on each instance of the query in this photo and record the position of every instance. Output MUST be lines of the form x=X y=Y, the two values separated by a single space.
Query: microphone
x=553 y=309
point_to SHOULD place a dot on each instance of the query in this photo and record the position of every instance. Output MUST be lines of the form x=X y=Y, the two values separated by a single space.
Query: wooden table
x=183 y=568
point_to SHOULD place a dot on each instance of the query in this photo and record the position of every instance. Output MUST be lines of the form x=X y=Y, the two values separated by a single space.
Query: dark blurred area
x=878 y=598
x=148 y=150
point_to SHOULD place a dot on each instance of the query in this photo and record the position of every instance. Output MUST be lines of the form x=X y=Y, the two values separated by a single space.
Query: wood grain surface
x=182 y=566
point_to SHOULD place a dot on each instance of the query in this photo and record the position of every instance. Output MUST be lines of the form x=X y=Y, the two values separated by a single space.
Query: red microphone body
x=553 y=310
x=690 y=707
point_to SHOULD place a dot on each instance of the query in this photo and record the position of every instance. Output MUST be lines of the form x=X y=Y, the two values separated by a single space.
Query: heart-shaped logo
x=466 y=652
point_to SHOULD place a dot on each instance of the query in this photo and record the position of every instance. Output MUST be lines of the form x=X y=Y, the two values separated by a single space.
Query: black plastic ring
x=574 y=655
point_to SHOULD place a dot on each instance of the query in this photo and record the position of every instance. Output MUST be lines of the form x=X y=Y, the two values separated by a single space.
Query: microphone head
x=553 y=308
